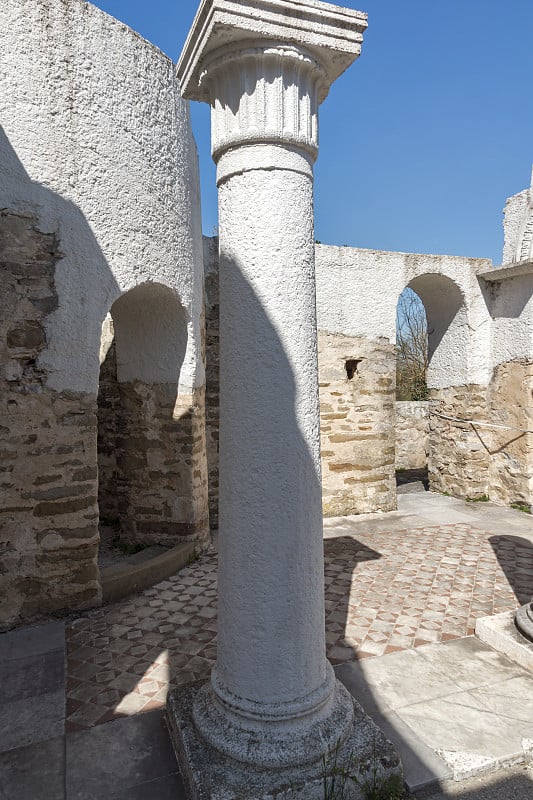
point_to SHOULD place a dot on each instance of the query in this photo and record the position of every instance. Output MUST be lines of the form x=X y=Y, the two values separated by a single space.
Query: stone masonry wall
x=357 y=385
x=161 y=479
x=459 y=459
x=357 y=414
x=510 y=403
x=108 y=409
x=48 y=474
x=412 y=434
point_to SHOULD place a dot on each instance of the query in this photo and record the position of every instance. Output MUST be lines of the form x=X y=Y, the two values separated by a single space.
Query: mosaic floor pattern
x=385 y=592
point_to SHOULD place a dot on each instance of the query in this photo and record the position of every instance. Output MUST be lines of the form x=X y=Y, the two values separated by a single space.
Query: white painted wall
x=358 y=291
x=96 y=141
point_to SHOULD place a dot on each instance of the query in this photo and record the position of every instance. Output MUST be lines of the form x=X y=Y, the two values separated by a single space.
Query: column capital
x=266 y=65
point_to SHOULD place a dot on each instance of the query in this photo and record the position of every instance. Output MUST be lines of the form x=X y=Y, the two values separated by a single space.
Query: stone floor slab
x=34 y=772
x=32 y=719
x=119 y=757
x=469 y=663
x=461 y=729
x=422 y=767
x=402 y=678
x=32 y=641
x=32 y=675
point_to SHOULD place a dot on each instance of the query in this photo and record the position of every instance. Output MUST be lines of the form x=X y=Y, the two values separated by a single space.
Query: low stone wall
x=357 y=385
x=474 y=460
x=412 y=434
x=48 y=474
x=459 y=459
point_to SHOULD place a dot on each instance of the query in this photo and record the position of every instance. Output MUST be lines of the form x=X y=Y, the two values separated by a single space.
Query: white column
x=273 y=700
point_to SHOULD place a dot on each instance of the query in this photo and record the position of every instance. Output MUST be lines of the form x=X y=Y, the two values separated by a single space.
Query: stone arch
x=146 y=438
x=448 y=333
x=429 y=427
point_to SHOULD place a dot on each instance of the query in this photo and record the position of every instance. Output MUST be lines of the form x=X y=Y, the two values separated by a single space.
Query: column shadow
x=515 y=557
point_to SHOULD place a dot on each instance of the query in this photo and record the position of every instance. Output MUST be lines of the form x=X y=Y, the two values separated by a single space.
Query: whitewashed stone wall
x=99 y=191
x=412 y=434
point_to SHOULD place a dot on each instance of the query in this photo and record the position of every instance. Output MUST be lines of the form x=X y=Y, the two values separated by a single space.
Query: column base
x=210 y=775
x=524 y=621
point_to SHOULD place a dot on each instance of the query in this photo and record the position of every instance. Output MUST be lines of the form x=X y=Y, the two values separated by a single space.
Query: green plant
x=192 y=557
x=365 y=774
x=481 y=498
x=522 y=507
x=401 y=469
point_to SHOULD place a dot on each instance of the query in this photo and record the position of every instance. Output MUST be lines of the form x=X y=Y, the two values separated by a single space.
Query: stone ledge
x=500 y=633
x=208 y=775
x=135 y=574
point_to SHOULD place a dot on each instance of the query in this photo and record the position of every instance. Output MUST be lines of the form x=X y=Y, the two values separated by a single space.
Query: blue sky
x=422 y=139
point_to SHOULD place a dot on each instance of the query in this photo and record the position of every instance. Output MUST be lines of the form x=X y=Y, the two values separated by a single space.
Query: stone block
x=208 y=775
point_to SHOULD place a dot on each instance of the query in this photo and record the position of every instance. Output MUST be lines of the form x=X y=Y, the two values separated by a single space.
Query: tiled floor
x=386 y=591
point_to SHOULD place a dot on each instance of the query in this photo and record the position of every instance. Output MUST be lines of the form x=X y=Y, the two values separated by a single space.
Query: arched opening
x=144 y=438
x=432 y=368
x=412 y=407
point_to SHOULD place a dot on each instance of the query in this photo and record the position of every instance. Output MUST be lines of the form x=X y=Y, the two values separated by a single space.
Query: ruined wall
x=107 y=415
x=96 y=148
x=412 y=434
x=357 y=385
x=48 y=475
x=510 y=403
x=161 y=481
x=459 y=460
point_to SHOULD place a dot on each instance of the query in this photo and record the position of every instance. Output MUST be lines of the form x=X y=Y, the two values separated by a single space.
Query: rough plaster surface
x=351 y=300
x=96 y=140
x=269 y=447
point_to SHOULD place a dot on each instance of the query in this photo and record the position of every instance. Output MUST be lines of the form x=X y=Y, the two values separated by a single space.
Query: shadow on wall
x=49 y=317
x=55 y=290
x=147 y=430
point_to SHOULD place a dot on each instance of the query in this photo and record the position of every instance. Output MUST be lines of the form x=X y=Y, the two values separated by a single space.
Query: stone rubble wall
x=412 y=434
x=357 y=386
x=108 y=410
x=458 y=460
x=98 y=172
x=161 y=481
x=473 y=461
x=48 y=471
x=511 y=451
x=356 y=415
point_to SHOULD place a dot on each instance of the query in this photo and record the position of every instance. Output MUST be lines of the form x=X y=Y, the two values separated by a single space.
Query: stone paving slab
x=479 y=728
x=126 y=758
x=388 y=589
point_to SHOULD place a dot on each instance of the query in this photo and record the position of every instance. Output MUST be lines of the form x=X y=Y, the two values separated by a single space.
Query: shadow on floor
x=515 y=557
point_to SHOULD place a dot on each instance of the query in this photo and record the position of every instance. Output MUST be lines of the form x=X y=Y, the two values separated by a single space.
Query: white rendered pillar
x=265 y=66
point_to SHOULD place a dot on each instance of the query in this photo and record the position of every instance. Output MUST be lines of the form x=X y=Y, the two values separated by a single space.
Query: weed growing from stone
x=521 y=507
x=339 y=781
x=193 y=557
x=482 y=498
